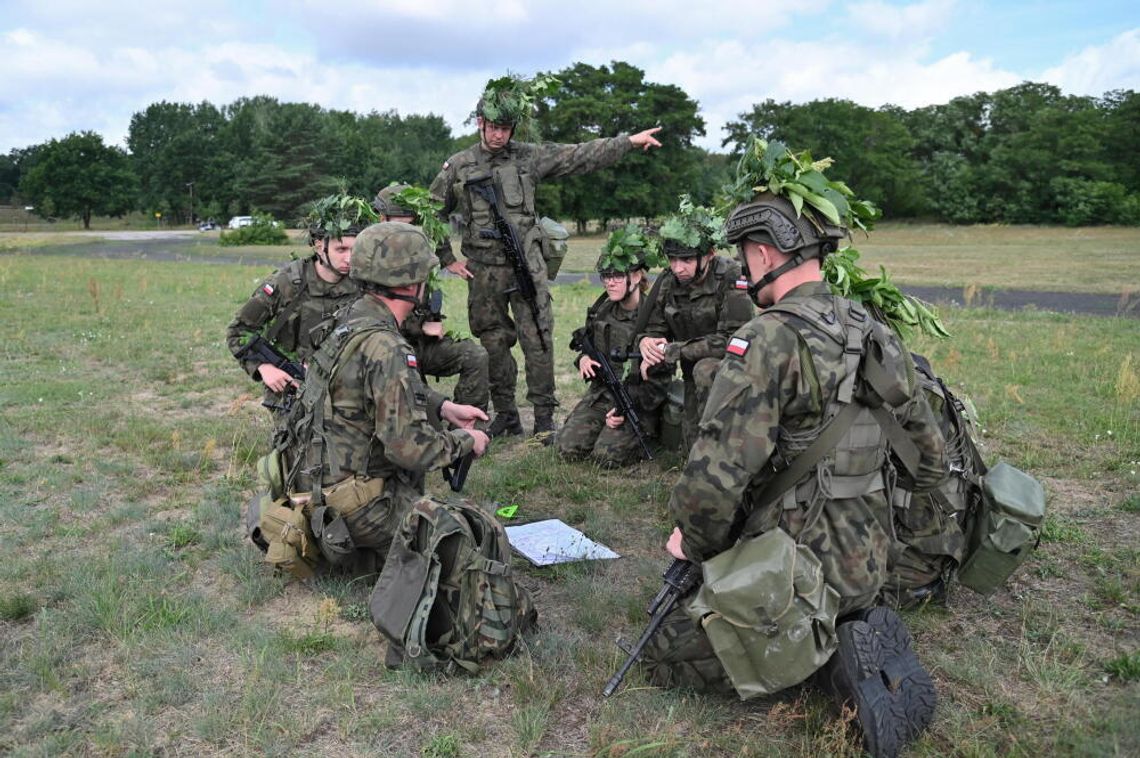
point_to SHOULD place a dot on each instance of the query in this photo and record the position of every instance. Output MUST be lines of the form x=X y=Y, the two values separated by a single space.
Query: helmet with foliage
x=692 y=231
x=339 y=215
x=772 y=220
x=628 y=249
x=391 y=254
x=385 y=202
x=511 y=100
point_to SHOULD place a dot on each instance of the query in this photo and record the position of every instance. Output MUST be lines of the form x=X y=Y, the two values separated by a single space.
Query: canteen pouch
x=291 y=545
x=1007 y=530
x=768 y=613
x=269 y=478
x=553 y=237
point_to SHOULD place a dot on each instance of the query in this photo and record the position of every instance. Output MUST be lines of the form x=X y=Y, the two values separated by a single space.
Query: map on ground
x=545 y=543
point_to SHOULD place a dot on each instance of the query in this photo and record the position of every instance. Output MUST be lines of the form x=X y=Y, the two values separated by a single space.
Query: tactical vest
x=291 y=330
x=846 y=456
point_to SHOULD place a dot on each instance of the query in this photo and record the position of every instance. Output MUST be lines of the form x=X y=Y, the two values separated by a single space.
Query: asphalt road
x=180 y=246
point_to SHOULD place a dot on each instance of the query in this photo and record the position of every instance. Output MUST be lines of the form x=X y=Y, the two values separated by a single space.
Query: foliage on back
x=339 y=215
x=425 y=209
x=629 y=248
x=772 y=167
x=512 y=99
x=904 y=313
x=693 y=229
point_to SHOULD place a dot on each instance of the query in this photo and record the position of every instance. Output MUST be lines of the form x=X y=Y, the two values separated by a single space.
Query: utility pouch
x=767 y=611
x=1006 y=531
x=292 y=548
x=553 y=237
x=269 y=477
x=350 y=495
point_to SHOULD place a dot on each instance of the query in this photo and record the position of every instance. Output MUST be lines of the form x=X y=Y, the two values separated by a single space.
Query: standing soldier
x=438 y=354
x=695 y=308
x=288 y=305
x=595 y=428
x=370 y=426
x=792 y=446
x=515 y=170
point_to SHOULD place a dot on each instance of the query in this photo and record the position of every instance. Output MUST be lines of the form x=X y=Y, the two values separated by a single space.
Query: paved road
x=181 y=246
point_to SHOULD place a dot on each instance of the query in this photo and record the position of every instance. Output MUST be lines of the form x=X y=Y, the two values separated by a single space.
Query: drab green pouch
x=1006 y=531
x=553 y=236
x=768 y=613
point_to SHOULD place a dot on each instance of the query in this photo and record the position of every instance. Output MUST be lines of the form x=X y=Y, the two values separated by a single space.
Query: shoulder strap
x=299 y=296
x=648 y=303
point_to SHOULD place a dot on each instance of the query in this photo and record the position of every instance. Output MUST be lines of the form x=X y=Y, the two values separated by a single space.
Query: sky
x=74 y=65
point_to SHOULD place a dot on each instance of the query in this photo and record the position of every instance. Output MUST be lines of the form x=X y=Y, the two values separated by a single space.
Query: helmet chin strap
x=327 y=261
x=771 y=276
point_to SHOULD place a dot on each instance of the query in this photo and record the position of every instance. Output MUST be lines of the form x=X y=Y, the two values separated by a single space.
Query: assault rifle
x=503 y=230
x=679 y=579
x=261 y=350
x=622 y=401
x=435 y=306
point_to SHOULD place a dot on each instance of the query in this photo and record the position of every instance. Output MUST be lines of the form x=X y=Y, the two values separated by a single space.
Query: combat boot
x=876 y=671
x=506 y=424
x=544 y=425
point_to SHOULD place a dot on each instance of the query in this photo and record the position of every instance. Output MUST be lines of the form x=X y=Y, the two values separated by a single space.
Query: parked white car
x=237 y=222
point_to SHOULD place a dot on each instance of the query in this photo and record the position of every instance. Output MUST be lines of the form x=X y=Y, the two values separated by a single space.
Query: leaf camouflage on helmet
x=337 y=216
x=425 y=208
x=692 y=230
x=512 y=100
x=629 y=248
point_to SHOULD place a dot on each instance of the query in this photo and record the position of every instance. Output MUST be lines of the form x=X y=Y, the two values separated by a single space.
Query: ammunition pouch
x=330 y=521
x=768 y=613
x=552 y=236
x=291 y=547
x=1007 y=529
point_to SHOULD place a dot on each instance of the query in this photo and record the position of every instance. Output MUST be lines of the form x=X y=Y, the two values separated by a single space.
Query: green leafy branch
x=695 y=226
x=426 y=209
x=335 y=214
x=903 y=313
x=514 y=99
x=628 y=246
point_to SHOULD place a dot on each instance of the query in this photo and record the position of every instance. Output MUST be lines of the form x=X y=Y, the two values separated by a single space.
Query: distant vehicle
x=208 y=225
x=237 y=222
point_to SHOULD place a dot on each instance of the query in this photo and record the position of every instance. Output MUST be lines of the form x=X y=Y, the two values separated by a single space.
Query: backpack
x=446 y=594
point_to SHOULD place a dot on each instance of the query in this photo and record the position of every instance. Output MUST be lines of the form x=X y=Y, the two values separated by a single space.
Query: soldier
x=439 y=355
x=594 y=428
x=289 y=304
x=697 y=306
x=786 y=375
x=517 y=168
x=372 y=423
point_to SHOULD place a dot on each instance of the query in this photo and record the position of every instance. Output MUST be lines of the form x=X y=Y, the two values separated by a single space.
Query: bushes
x=263 y=231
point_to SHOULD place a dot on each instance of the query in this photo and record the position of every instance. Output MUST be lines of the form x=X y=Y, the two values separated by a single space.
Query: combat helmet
x=391 y=254
x=627 y=249
x=337 y=216
x=771 y=219
x=385 y=203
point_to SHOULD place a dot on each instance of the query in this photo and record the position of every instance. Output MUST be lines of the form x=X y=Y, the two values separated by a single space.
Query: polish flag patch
x=737 y=346
x=742 y=284
x=410 y=359
x=268 y=289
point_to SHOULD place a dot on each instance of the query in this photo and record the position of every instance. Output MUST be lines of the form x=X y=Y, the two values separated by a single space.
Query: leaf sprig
x=425 y=208
x=335 y=214
x=903 y=313
x=772 y=167
x=695 y=226
x=628 y=246
x=514 y=99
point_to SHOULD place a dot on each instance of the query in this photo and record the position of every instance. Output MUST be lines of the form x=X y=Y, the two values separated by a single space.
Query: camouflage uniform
x=699 y=318
x=446 y=356
x=766 y=404
x=585 y=432
x=517 y=168
x=298 y=280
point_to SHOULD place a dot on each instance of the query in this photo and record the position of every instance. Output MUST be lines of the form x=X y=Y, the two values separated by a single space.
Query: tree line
x=1027 y=154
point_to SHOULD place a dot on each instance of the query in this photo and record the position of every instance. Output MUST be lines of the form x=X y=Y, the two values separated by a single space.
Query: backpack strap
x=300 y=295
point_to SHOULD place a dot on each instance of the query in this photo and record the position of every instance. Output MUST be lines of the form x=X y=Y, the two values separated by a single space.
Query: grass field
x=134 y=620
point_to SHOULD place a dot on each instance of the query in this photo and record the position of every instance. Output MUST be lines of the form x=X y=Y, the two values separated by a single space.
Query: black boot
x=505 y=424
x=544 y=425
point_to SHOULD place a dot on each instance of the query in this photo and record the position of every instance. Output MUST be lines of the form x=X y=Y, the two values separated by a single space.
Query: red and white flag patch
x=737 y=346
x=410 y=359
x=268 y=289
x=741 y=284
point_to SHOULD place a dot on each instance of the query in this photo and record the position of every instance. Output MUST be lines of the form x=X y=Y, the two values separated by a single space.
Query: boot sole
x=905 y=676
x=857 y=679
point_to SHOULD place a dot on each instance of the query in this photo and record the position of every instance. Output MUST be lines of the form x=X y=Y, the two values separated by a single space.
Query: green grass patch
x=17 y=607
x=1125 y=667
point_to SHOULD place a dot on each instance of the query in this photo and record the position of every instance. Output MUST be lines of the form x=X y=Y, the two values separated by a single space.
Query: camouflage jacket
x=319 y=301
x=518 y=168
x=774 y=384
x=612 y=327
x=701 y=316
x=384 y=419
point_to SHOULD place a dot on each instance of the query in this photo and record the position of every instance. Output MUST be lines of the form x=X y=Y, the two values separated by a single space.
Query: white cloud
x=1100 y=68
x=907 y=24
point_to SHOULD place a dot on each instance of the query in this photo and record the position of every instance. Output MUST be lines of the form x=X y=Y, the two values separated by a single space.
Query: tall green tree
x=78 y=176
x=605 y=101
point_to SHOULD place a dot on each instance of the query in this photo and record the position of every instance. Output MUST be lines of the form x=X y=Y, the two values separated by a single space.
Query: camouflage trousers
x=698 y=381
x=930 y=544
x=585 y=434
x=489 y=314
x=371 y=529
x=680 y=655
x=468 y=359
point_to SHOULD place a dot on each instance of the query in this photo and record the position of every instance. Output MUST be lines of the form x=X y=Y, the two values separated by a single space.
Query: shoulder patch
x=267 y=288
x=742 y=284
x=738 y=346
x=410 y=359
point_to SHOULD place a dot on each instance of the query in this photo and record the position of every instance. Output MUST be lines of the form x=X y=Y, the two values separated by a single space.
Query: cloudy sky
x=76 y=64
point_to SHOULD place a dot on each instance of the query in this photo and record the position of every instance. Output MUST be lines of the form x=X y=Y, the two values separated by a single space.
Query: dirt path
x=184 y=247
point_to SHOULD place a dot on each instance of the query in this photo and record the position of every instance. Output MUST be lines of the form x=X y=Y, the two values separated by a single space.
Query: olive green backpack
x=446 y=594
